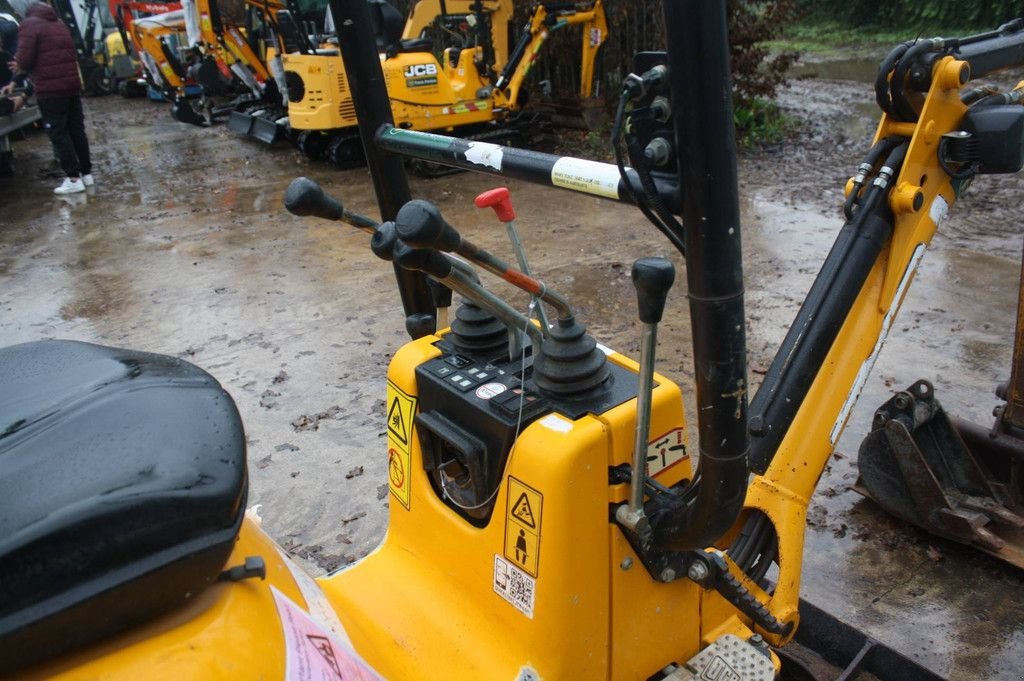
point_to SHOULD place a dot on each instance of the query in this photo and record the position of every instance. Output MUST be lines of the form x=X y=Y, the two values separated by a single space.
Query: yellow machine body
x=114 y=45
x=428 y=601
x=424 y=95
x=420 y=601
x=230 y=631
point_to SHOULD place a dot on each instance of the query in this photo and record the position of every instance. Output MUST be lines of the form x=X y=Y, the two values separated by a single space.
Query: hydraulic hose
x=882 y=79
x=698 y=65
x=814 y=330
x=901 y=106
x=636 y=155
x=641 y=199
x=796 y=364
x=864 y=171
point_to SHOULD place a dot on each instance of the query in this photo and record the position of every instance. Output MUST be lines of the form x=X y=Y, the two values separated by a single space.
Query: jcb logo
x=418 y=70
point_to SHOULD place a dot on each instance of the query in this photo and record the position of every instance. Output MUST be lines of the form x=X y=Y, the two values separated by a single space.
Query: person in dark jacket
x=8 y=47
x=46 y=51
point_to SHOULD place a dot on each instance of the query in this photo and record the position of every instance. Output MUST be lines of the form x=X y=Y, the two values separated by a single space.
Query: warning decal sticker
x=401 y=408
x=591 y=177
x=665 y=451
x=522 y=526
x=314 y=654
x=514 y=585
x=398 y=474
x=401 y=411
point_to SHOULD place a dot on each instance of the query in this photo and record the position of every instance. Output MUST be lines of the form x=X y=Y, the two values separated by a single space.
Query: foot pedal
x=728 y=658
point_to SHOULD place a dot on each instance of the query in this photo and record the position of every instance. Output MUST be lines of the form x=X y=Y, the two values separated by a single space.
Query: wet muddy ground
x=183 y=248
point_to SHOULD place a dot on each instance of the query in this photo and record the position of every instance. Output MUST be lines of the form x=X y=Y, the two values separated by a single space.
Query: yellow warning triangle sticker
x=396 y=422
x=522 y=511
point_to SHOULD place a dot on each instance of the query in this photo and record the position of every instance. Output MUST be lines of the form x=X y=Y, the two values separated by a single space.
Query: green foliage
x=759 y=123
x=756 y=72
x=915 y=15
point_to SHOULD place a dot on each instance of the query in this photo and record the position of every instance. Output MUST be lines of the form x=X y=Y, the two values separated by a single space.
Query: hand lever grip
x=383 y=241
x=305 y=197
x=420 y=225
x=425 y=260
x=652 y=277
x=499 y=200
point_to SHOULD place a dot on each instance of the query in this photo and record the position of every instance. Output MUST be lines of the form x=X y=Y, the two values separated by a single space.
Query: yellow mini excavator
x=476 y=87
x=160 y=39
x=235 y=62
x=547 y=521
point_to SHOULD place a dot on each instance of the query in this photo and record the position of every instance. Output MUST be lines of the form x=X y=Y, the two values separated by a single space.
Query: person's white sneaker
x=88 y=180
x=69 y=186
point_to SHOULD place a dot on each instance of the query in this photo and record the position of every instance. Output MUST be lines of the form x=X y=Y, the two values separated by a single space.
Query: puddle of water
x=860 y=69
x=188 y=252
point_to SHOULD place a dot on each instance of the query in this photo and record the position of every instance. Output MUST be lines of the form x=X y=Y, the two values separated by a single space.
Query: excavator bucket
x=255 y=125
x=956 y=479
x=240 y=122
x=266 y=129
x=182 y=111
x=917 y=465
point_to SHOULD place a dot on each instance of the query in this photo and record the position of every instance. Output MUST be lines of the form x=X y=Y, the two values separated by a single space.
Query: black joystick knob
x=420 y=225
x=652 y=277
x=305 y=197
x=384 y=240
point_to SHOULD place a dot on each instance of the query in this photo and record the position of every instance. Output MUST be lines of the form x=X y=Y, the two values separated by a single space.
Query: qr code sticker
x=514 y=585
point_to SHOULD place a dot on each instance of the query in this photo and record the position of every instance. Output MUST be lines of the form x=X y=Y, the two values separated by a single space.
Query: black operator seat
x=122 y=491
x=388 y=24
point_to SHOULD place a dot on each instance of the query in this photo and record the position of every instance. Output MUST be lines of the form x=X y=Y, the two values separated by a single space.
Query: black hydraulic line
x=698 y=64
x=882 y=79
x=881 y=148
x=901 y=107
x=564 y=172
x=667 y=222
x=358 y=45
x=817 y=324
x=641 y=200
x=513 y=59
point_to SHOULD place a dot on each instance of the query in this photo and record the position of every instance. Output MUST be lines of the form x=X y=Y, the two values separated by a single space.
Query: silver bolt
x=626 y=563
x=756 y=640
x=698 y=572
x=668 y=575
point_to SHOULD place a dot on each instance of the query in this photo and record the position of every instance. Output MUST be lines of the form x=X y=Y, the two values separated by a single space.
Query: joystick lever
x=305 y=197
x=420 y=225
x=652 y=277
x=448 y=272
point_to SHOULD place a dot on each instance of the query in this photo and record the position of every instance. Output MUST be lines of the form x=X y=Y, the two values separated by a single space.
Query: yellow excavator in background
x=243 y=62
x=160 y=39
x=224 y=64
x=475 y=88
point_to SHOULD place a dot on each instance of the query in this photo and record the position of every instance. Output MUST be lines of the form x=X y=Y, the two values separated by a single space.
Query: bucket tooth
x=995 y=512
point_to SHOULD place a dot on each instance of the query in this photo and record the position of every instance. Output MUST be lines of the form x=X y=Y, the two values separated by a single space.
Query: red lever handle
x=500 y=201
